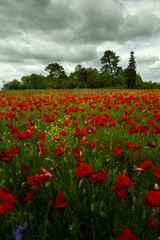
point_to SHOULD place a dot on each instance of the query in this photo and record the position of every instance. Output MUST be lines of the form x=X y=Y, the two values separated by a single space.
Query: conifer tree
x=131 y=72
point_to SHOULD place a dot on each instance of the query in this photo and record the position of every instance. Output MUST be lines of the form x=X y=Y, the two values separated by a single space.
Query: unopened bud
x=81 y=183
x=84 y=191
x=49 y=203
x=156 y=186
x=11 y=180
x=23 y=184
x=48 y=184
x=92 y=207
x=102 y=213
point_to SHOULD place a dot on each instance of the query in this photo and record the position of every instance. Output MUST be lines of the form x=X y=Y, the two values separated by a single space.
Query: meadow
x=80 y=164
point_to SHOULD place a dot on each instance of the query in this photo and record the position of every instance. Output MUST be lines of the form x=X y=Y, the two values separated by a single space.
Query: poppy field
x=80 y=164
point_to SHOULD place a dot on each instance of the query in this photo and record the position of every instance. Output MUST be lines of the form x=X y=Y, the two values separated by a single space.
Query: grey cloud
x=38 y=32
x=146 y=60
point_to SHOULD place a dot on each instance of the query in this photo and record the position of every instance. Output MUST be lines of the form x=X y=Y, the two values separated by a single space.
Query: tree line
x=111 y=75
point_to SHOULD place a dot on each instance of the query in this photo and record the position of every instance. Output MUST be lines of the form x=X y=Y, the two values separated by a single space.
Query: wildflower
x=8 y=201
x=152 y=222
x=124 y=181
x=76 y=152
x=62 y=133
x=41 y=149
x=83 y=142
x=14 y=150
x=41 y=136
x=116 y=150
x=58 y=151
x=99 y=177
x=27 y=197
x=92 y=144
x=126 y=235
x=84 y=170
x=145 y=165
x=156 y=186
x=157 y=173
x=119 y=191
x=151 y=145
x=60 y=200
x=152 y=199
x=6 y=156
x=133 y=129
x=19 y=232
x=25 y=167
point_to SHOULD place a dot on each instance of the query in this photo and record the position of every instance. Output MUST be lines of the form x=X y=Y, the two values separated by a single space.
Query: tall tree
x=131 y=72
x=55 y=70
x=110 y=61
x=81 y=73
x=78 y=68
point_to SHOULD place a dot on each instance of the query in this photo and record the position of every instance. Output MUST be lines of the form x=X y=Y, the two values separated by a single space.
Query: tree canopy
x=110 y=76
x=55 y=70
x=110 y=61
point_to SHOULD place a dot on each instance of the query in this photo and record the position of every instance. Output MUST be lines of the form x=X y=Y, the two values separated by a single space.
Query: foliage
x=131 y=72
x=111 y=76
x=110 y=61
x=55 y=70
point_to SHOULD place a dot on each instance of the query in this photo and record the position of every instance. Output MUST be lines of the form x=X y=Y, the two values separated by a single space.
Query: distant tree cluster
x=110 y=76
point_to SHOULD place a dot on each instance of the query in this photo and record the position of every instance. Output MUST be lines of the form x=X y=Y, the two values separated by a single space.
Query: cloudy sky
x=34 y=33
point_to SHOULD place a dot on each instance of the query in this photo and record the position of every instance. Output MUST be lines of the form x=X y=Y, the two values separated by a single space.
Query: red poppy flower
x=76 y=152
x=92 y=144
x=8 y=201
x=126 y=235
x=151 y=145
x=33 y=181
x=83 y=142
x=14 y=150
x=27 y=197
x=119 y=191
x=5 y=156
x=145 y=165
x=41 y=136
x=58 y=151
x=23 y=135
x=41 y=149
x=152 y=199
x=45 y=174
x=116 y=150
x=99 y=177
x=133 y=129
x=124 y=181
x=60 y=200
x=84 y=170
x=62 y=133
x=25 y=167
x=157 y=173
x=152 y=222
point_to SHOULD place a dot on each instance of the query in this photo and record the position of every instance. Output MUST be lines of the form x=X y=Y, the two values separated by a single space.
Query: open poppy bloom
x=60 y=201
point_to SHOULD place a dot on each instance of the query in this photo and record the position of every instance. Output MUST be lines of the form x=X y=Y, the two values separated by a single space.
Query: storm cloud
x=35 y=33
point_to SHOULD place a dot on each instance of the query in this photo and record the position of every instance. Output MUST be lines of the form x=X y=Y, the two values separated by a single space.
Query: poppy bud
x=102 y=213
x=84 y=191
x=156 y=186
x=81 y=183
x=80 y=154
x=48 y=184
x=11 y=181
x=92 y=207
